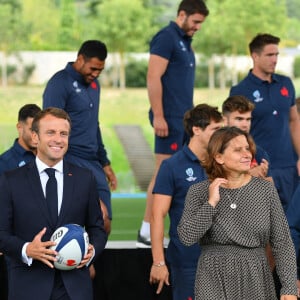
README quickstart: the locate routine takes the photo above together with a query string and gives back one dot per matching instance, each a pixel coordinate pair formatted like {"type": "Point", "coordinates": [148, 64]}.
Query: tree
{"type": "Point", "coordinates": [125, 26]}
{"type": "Point", "coordinates": [69, 35]}
{"type": "Point", "coordinates": [44, 19]}
{"type": "Point", "coordinates": [232, 24]}
{"type": "Point", "coordinates": [12, 31]}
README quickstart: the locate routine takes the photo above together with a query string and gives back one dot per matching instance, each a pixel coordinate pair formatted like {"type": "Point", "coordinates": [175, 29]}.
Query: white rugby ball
{"type": "Point", "coordinates": [71, 244]}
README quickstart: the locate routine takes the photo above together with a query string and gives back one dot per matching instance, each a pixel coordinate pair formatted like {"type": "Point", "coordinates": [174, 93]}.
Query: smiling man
{"type": "Point", "coordinates": [170, 83]}
{"type": "Point", "coordinates": [76, 90]}
{"type": "Point", "coordinates": [26, 224]}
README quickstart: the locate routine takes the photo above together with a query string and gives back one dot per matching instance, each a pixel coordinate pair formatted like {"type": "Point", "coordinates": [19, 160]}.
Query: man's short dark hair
{"type": "Point", "coordinates": [200, 116]}
{"type": "Point", "coordinates": [52, 111]}
{"type": "Point", "coordinates": [193, 7]}
{"type": "Point", "coordinates": [237, 103]}
{"type": "Point", "coordinates": [261, 40]}
{"type": "Point", "coordinates": [28, 111]}
{"type": "Point", "coordinates": [93, 48]}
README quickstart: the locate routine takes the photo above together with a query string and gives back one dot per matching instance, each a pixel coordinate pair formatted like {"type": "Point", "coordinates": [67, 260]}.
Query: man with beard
{"type": "Point", "coordinates": [76, 89]}
{"type": "Point", "coordinates": [170, 83]}
{"type": "Point", "coordinates": [23, 149]}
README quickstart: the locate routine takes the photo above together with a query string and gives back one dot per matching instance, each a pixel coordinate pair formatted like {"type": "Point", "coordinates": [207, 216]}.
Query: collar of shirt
{"type": "Point", "coordinates": [181, 32]}
{"type": "Point", "coordinates": [41, 166]}
{"type": "Point", "coordinates": [76, 75]}
{"type": "Point", "coordinates": [256, 79]}
{"type": "Point", "coordinates": [188, 152]}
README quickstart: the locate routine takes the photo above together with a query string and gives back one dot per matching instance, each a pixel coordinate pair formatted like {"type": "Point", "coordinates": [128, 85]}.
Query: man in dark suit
{"type": "Point", "coordinates": [25, 223]}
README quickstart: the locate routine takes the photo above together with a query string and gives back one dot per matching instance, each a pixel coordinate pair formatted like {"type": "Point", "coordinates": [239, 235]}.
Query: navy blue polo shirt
{"type": "Point", "coordinates": [174, 45]}
{"type": "Point", "coordinates": [174, 178]}
{"type": "Point", "coordinates": [260, 154]}
{"type": "Point", "coordinates": [68, 90]}
{"type": "Point", "coordinates": [15, 157]}
{"type": "Point", "coordinates": [270, 117]}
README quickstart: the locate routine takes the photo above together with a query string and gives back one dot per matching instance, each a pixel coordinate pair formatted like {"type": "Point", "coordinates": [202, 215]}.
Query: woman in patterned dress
{"type": "Point", "coordinates": [233, 216]}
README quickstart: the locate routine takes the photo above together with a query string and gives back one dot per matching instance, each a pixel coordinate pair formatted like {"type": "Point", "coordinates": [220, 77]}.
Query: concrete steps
{"type": "Point", "coordinates": [138, 152]}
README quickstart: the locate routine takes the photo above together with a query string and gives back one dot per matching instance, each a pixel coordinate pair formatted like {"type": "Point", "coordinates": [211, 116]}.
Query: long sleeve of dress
{"type": "Point", "coordinates": [197, 215]}
{"type": "Point", "coordinates": [256, 219]}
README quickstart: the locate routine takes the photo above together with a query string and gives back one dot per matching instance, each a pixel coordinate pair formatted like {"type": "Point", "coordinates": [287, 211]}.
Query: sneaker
{"type": "Point", "coordinates": [142, 241]}
{"type": "Point", "coordinates": [166, 242]}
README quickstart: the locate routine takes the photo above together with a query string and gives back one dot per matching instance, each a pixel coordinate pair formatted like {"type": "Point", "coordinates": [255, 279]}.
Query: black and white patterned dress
{"type": "Point", "coordinates": [233, 237]}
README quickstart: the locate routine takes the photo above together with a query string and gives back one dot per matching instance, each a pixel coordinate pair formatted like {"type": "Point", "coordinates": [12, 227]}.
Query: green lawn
{"type": "Point", "coordinates": [127, 217]}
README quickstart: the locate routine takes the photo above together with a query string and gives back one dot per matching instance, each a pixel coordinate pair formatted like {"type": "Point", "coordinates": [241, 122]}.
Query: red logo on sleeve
{"type": "Point", "coordinates": [174, 146]}
{"type": "Point", "coordinates": [93, 85]}
{"type": "Point", "coordinates": [284, 92]}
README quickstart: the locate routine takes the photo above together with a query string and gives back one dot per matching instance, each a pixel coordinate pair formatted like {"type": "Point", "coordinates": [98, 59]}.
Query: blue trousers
{"type": "Point", "coordinates": [183, 282]}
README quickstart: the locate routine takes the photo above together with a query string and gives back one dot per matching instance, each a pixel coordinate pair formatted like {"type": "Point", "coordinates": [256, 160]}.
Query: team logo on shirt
{"type": "Point", "coordinates": [182, 46]}
{"type": "Point", "coordinates": [190, 173]}
{"type": "Point", "coordinates": [22, 163]}
{"type": "Point", "coordinates": [93, 85]}
{"type": "Point", "coordinates": [76, 87]}
{"type": "Point", "coordinates": [284, 92]}
{"type": "Point", "coordinates": [174, 146]}
{"type": "Point", "coordinates": [257, 96]}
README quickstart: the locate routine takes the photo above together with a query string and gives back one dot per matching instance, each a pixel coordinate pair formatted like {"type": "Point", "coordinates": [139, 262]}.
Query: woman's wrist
{"type": "Point", "coordinates": [159, 263]}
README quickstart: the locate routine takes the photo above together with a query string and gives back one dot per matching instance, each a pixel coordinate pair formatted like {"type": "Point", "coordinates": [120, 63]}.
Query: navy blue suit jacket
{"type": "Point", "coordinates": [23, 213]}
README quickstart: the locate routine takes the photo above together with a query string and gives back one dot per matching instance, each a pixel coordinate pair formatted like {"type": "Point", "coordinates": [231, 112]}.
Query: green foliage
{"type": "Point", "coordinates": [68, 35]}
{"type": "Point", "coordinates": [136, 73]}
{"type": "Point", "coordinates": [44, 24]}
{"type": "Point", "coordinates": [232, 24]}
{"type": "Point", "coordinates": [297, 66]}
{"type": "Point", "coordinates": [293, 33]}
{"type": "Point", "coordinates": [123, 25]}
{"type": "Point", "coordinates": [201, 75]}
{"type": "Point", "coordinates": [293, 9]}
{"type": "Point", "coordinates": [13, 31]}
{"type": "Point", "coordinates": [128, 25]}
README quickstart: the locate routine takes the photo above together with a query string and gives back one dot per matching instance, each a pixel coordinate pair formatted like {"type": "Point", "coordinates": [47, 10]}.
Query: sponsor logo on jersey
{"type": "Point", "coordinates": [190, 173]}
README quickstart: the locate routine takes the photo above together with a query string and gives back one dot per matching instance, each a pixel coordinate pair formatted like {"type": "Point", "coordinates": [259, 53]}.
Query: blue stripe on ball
{"type": "Point", "coordinates": [74, 232]}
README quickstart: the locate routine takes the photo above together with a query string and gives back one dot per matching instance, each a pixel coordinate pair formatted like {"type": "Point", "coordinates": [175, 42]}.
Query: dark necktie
{"type": "Point", "coordinates": [51, 194]}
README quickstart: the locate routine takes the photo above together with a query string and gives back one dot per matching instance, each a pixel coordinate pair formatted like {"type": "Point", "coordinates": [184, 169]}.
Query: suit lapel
{"type": "Point", "coordinates": [36, 188]}
{"type": "Point", "coordinates": [68, 187]}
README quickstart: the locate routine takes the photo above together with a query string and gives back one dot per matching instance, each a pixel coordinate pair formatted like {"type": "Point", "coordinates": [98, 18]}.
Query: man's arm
{"type": "Point", "coordinates": [55, 94]}
{"type": "Point", "coordinates": [295, 129]}
{"type": "Point", "coordinates": [159, 271]}
{"type": "Point", "coordinates": [156, 68]}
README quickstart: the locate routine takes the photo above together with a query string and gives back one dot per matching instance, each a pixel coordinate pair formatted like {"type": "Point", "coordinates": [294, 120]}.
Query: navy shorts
{"type": "Point", "coordinates": [102, 185]}
{"type": "Point", "coordinates": [174, 141]}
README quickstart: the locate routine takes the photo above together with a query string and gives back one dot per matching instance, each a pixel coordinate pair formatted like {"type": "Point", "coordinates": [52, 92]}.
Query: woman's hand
{"type": "Point", "coordinates": [214, 191]}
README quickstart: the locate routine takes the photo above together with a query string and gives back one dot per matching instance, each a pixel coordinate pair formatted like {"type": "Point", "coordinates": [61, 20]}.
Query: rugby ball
{"type": "Point", "coordinates": [71, 244]}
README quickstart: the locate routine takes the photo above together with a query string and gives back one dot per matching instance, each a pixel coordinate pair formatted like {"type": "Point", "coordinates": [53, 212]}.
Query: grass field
{"type": "Point", "coordinates": [127, 218]}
